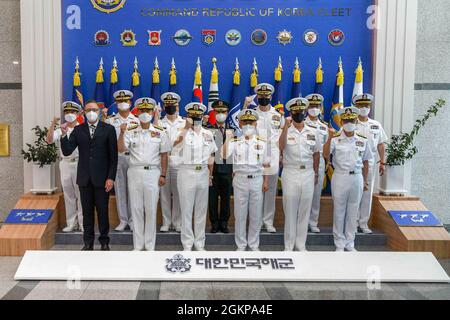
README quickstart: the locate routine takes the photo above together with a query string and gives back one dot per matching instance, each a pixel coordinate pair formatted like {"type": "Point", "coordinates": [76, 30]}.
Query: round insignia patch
{"type": "Point", "coordinates": [284, 37]}
{"type": "Point", "coordinates": [101, 38]}
{"type": "Point", "coordinates": [336, 37]}
{"type": "Point", "coordinates": [108, 6]}
{"type": "Point", "coordinates": [233, 37]}
{"type": "Point", "coordinates": [310, 37]}
{"type": "Point", "coordinates": [182, 37]}
{"type": "Point", "coordinates": [128, 38]}
{"type": "Point", "coordinates": [259, 37]}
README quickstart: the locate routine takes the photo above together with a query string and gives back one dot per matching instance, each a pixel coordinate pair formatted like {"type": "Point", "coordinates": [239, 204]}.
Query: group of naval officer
{"type": "Point", "coordinates": [193, 168]}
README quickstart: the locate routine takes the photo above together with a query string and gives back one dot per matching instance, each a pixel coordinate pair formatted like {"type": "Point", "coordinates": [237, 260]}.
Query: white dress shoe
{"type": "Point", "coordinates": [351, 250]}
{"type": "Point", "coordinates": [240, 249]}
{"type": "Point", "coordinates": [302, 250]}
{"type": "Point", "coordinates": [164, 229]}
{"type": "Point", "coordinates": [81, 228]}
{"type": "Point", "coordinates": [178, 229]}
{"type": "Point", "coordinates": [366, 230]}
{"type": "Point", "coordinates": [69, 229]}
{"type": "Point", "coordinates": [339, 250]}
{"type": "Point", "coordinates": [200, 249]}
{"type": "Point", "coordinates": [314, 229]}
{"type": "Point", "coordinates": [254, 249]}
{"type": "Point", "coordinates": [121, 227]}
{"type": "Point", "coordinates": [187, 249]}
{"type": "Point", "coordinates": [271, 229]}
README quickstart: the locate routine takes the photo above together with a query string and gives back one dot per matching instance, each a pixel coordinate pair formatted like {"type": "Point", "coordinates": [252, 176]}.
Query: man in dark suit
{"type": "Point", "coordinates": [222, 174]}
{"type": "Point", "coordinates": [97, 167]}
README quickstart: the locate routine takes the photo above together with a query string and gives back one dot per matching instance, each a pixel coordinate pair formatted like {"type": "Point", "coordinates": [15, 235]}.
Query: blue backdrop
{"type": "Point", "coordinates": [323, 16]}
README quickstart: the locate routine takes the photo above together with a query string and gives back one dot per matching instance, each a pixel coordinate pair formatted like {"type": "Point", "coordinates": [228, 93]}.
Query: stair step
{"type": "Point", "coordinates": [173, 238]}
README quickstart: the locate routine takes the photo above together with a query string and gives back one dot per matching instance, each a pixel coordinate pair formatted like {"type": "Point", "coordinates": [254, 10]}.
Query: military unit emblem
{"type": "Point", "coordinates": [182, 37]}
{"type": "Point", "coordinates": [336, 37]}
{"type": "Point", "coordinates": [259, 37]}
{"type": "Point", "coordinates": [284, 37]}
{"type": "Point", "coordinates": [233, 37]}
{"type": "Point", "coordinates": [178, 263]}
{"type": "Point", "coordinates": [310, 37]}
{"type": "Point", "coordinates": [108, 6]}
{"type": "Point", "coordinates": [128, 38]}
{"type": "Point", "coordinates": [209, 36]}
{"type": "Point", "coordinates": [154, 37]}
{"type": "Point", "coordinates": [101, 38]}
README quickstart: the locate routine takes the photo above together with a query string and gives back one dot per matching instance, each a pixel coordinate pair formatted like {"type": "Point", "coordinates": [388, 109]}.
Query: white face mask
{"type": "Point", "coordinates": [123, 106]}
{"type": "Point", "coordinates": [70, 117]}
{"type": "Point", "coordinates": [248, 130]}
{"type": "Point", "coordinates": [364, 111]}
{"type": "Point", "coordinates": [92, 116]}
{"type": "Point", "coordinates": [221, 117]}
{"type": "Point", "coordinates": [314, 112]}
{"type": "Point", "coordinates": [145, 117]}
{"type": "Point", "coordinates": [349, 127]}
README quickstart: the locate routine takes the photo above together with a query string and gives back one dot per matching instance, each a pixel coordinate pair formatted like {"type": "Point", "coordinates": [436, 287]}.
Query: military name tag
{"type": "Point", "coordinates": [359, 144]}
{"type": "Point", "coordinates": [311, 137]}
{"type": "Point", "coordinates": [4, 140]}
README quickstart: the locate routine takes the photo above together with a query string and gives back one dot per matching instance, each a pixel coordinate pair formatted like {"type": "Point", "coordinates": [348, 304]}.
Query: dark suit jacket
{"type": "Point", "coordinates": [97, 156]}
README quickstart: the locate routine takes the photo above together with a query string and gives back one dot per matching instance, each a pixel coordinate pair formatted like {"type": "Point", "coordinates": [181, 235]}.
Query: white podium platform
{"type": "Point", "coordinates": [231, 266]}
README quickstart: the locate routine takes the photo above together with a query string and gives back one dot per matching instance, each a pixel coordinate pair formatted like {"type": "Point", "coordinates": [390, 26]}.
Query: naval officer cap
{"type": "Point", "coordinates": [348, 113]}
{"type": "Point", "coordinates": [195, 108]}
{"type": "Point", "coordinates": [297, 104]}
{"type": "Point", "coordinates": [123, 95]}
{"type": "Point", "coordinates": [363, 99]}
{"type": "Point", "coordinates": [265, 89]}
{"type": "Point", "coordinates": [315, 99]}
{"type": "Point", "coordinates": [71, 106]}
{"type": "Point", "coordinates": [248, 115]}
{"type": "Point", "coordinates": [145, 104]}
{"type": "Point", "coordinates": [170, 98]}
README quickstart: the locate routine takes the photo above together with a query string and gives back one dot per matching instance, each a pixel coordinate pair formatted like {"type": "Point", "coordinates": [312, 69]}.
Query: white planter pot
{"type": "Point", "coordinates": [393, 181]}
{"type": "Point", "coordinates": [43, 179]}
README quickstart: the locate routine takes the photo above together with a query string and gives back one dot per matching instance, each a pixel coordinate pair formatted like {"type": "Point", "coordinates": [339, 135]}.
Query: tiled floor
{"type": "Point", "coordinates": [53, 290]}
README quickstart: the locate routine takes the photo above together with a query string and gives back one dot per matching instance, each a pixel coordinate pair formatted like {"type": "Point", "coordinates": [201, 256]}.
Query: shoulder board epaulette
{"type": "Point", "coordinates": [362, 136]}
{"type": "Point", "coordinates": [322, 122]}
{"type": "Point", "coordinates": [311, 126]}
{"type": "Point", "coordinates": [260, 138]}
{"type": "Point", "coordinates": [158, 127]}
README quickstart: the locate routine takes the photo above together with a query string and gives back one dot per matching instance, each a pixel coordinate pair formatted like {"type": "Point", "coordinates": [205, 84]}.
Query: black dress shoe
{"type": "Point", "coordinates": [214, 229]}
{"type": "Point", "coordinates": [224, 229]}
{"type": "Point", "coordinates": [105, 247]}
{"type": "Point", "coordinates": [87, 248]}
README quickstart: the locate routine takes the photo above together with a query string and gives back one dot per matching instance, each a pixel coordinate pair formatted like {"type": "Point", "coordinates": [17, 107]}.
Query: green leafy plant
{"type": "Point", "coordinates": [41, 152]}
{"type": "Point", "coordinates": [402, 148]}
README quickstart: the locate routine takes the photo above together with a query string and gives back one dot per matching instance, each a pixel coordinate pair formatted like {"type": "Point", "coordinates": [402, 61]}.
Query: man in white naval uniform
{"type": "Point", "coordinates": [170, 201]}
{"type": "Point", "coordinates": [123, 99]}
{"type": "Point", "coordinates": [314, 110]}
{"type": "Point", "coordinates": [269, 127]}
{"type": "Point", "coordinates": [148, 146]}
{"type": "Point", "coordinates": [376, 136]}
{"type": "Point", "coordinates": [249, 155]}
{"type": "Point", "coordinates": [197, 148]}
{"type": "Point", "coordinates": [301, 145]}
{"type": "Point", "coordinates": [68, 167]}
{"type": "Point", "coordinates": [351, 154]}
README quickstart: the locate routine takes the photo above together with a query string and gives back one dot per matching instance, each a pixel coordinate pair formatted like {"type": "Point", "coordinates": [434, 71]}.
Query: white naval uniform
{"type": "Point", "coordinates": [68, 167]}
{"type": "Point", "coordinates": [121, 183]}
{"type": "Point", "coordinates": [193, 185]}
{"type": "Point", "coordinates": [376, 135]}
{"type": "Point", "coordinates": [347, 186]}
{"type": "Point", "coordinates": [269, 127]}
{"type": "Point", "coordinates": [315, 208]}
{"type": "Point", "coordinates": [170, 202]}
{"type": "Point", "coordinates": [298, 183]}
{"type": "Point", "coordinates": [145, 147]}
{"type": "Point", "coordinates": [249, 158]}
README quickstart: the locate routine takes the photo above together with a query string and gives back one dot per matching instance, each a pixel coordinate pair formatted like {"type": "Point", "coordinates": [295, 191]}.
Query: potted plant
{"type": "Point", "coordinates": [402, 149]}
{"type": "Point", "coordinates": [43, 156]}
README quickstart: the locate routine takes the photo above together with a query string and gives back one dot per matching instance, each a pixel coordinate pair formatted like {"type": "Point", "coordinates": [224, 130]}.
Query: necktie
{"type": "Point", "coordinates": [92, 127]}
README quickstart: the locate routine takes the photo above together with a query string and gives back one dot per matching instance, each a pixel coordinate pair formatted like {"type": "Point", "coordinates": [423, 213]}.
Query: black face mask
{"type": "Point", "coordinates": [170, 110]}
{"type": "Point", "coordinates": [264, 102]}
{"type": "Point", "coordinates": [298, 117]}
{"type": "Point", "coordinates": [196, 118]}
